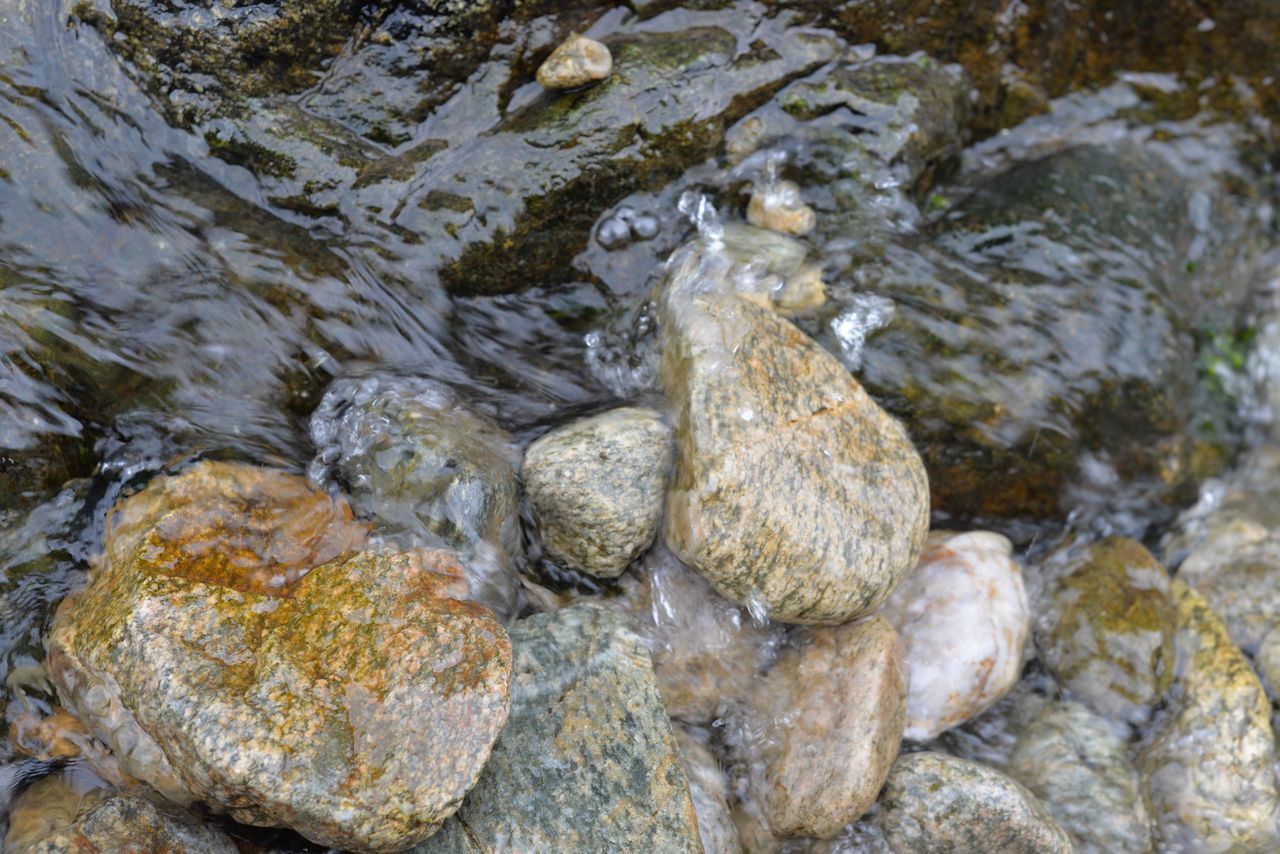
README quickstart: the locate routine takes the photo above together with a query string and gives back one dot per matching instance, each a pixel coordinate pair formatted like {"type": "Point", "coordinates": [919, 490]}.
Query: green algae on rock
{"type": "Point", "coordinates": [235, 646]}
{"type": "Point", "coordinates": [596, 486]}
{"type": "Point", "coordinates": [1078, 764]}
{"type": "Point", "coordinates": [937, 803]}
{"type": "Point", "coordinates": [588, 761]}
{"type": "Point", "coordinates": [53, 817]}
{"type": "Point", "coordinates": [1106, 625]}
{"type": "Point", "coordinates": [792, 488]}
{"type": "Point", "coordinates": [1209, 768]}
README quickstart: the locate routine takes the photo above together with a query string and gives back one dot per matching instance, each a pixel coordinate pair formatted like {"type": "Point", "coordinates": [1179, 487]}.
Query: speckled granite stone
{"type": "Point", "coordinates": [596, 488]}
{"type": "Point", "coordinates": [937, 803]}
{"type": "Point", "coordinates": [51, 817]}
{"type": "Point", "coordinates": [1209, 770]}
{"type": "Point", "coordinates": [792, 487]}
{"type": "Point", "coordinates": [355, 703]}
{"type": "Point", "coordinates": [1105, 627]}
{"type": "Point", "coordinates": [588, 761]}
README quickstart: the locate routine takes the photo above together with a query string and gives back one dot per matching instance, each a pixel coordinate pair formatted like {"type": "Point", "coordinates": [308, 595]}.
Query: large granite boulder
{"type": "Point", "coordinates": [764, 416]}
{"type": "Point", "coordinates": [588, 761]}
{"type": "Point", "coordinates": [1105, 626]}
{"type": "Point", "coordinates": [937, 803]}
{"type": "Point", "coordinates": [1209, 768]}
{"type": "Point", "coordinates": [596, 487]}
{"type": "Point", "coordinates": [239, 644]}
{"type": "Point", "coordinates": [427, 470]}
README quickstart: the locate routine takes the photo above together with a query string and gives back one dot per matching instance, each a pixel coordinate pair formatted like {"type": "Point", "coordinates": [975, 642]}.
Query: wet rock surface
{"type": "Point", "coordinates": [1106, 625]}
{"type": "Point", "coordinates": [235, 647]}
{"type": "Point", "coordinates": [1078, 764]}
{"type": "Point", "coordinates": [933, 802]}
{"type": "Point", "coordinates": [963, 617]}
{"type": "Point", "coordinates": [837, 700]}
{"type": "Point", "coordinates": [709, 788]}
{"type": "Point", "coordinates": [53, 816]}
{"type": "Point", "coordinates": [588, 760]}
{"type": "Point", "coordinates": [427, 470]}
{"type": "Point", "coordinates": [596, 487]}
{"type": "Point", "coordinates": [762, 416]}
{"type": "Point", "coordinates": [1209, 769]}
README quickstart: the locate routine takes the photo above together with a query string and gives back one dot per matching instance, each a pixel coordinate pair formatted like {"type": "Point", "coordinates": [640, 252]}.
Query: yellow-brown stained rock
{"type": "Point", "coordinates": [792, 487]}
{"type": "Point", "coordinates": [355, 701]}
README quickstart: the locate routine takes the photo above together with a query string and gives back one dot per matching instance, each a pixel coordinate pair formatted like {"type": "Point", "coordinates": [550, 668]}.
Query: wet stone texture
{"type": "Point", "coordinates": [1105, 627]}
{"type": "Point", "coordinates": [235, 646]}
{"type": "Point", "coordinates": [588, 761]}
{"type": "Point", "coordinates": [52, 817]}
{"type": "Point", "coordinates": [1078, 764]}
{"type": "Point", "coordinates": [596, 486]}
{"type": "Point", "coordinates": [936, 803]}
{"type": "Point", "coordinates": [427, 470]}
{"type": "Point", "coordinates": [963, 617]}
{"type": "Point", "coordinates": [837, 702]}
{"type": "Point", "coordinates": [792, 488]}
{"type": "Point", "coordinates": [709, 787]}
{"type": "Point", "coordinates": [1209, 769]}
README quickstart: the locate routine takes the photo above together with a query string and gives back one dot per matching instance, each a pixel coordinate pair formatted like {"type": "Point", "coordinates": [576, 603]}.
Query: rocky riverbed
{"type": "Point", "coordinates": [744, 425]}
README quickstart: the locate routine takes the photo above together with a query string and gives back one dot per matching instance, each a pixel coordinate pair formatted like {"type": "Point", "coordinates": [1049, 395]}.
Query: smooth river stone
{"type": "Point", "coordinates": [596, 487]}
{"type": "Point", "coordinates": [937, 803]}
{"type": "Point", "coordinates": [1077, 763]}
{"type": "Point", "coordinates": [963, 617]}
{"type": "Point", "coordinates": [354, 701]}
{"type": "Point", "coordinates": [588, 761]}
{"type": "Point", "coordinates": [1105, 627]}
{"type": "Point", "coordinates": [793, 489]}
{"type": "Point", "coordinates": [836, 700]}
{"type": "Point", "coordinates": [1209, 770]}
{"type": "Point", "coordinates": [709, 787]}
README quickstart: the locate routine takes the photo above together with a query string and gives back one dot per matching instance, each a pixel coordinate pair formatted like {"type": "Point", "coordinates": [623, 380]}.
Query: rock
{"type": "Point", "coordinates": [963, 617]}
{"type": "Point", "coordinates": [1209, 767]}
{"type": "Point", "coordinates": [936, 803]}
{"type": "Point", "coordinates": [1045, 413]}
{"type": "Point", "coordinates": [588, 761]}
{"type": "Point", "coordinates": [707, 651]}
{"type": "Point", "coordinates": [763, 416]}
{"type": "Point", "coordinates": [1078, 764]}
{"type": "Point", "coordinates": [428, 471]}
{"type": "Point", "coordinates": [1105, 628]}
{"type": "Point", "coordinates": [780, 207]}
{"type": "Point", "coordinates": [709, 788]}
{"type": "Point", "coordinates": [596, 487]}
{"type": "Point", "coordinates": [235, 645]}
{"type": "Point", "coordinates": [578, 61]}
{"type": "Point", "coordinates": [52, 816]}
{"type": "Point", "coordinates": [837, 700]}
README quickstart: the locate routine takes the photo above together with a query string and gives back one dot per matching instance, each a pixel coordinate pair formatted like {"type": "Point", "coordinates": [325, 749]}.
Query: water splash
{"type": "Point", "coordinates": [867, 313]}
{"type": "Point", "coordinates": [702, 213]}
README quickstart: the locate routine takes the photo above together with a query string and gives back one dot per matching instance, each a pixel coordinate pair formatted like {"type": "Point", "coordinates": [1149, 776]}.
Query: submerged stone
{"type": "Point", "coordinates": [764, 417]}
{"type": "Point", "coordinates": [963, 617]}
{"type": "Point", "coordinates": [55, 816]}
{"type": "Point", "coordinates": [236, 646]}
{"type": "Point", "coordinates": [936, 803]}
{"type": "Point", "coordinates": [709, 787]}
{"type": "Point", "coordinates": [837, 701]}
{"type": "Point", "coordinates": [1078, 764]}
{"type": "Point", "coordinates": [1105, 628]}
{"type": "Point", "coordinates": [779, 206]}
{"type": "Point", "coordinates": [1209, 768]}
{"type": "Point", "coordinates": [578, 61]}
{"type": "Point", "coordinates": [596, 487]}
{"type": "Point", "coordinates": [588, 761]}
{"type": "Point", "coordinates": [428, 471]}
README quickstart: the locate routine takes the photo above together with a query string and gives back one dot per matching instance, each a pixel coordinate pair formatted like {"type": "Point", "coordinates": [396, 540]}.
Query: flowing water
{"type": "Point", "coordinates": [162, 300]}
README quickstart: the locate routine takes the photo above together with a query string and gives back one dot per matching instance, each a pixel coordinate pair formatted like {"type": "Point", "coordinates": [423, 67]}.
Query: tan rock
{"type": "Point", "coordinates": [779, 206]}
{"type": "Point", "coordinates": [711, 794]}
{"type": "Point", "coordinates": [576, 62]}
{"type": "Point", "coordinates": [963, 618]}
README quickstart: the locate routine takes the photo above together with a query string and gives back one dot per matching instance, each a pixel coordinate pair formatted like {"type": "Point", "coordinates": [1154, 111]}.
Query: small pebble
{"type": "Point", "coordinates": [780, 207]}
{"type": "Point", "coordinates": [578, 61]}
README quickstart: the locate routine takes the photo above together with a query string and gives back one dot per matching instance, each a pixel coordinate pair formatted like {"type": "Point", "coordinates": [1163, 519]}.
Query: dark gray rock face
{"type": "Point", "coordinates": [427, 470]}
{"type": "Point", "coordinates": [588, 761]}
{"type": "Point", "coordinates": [596, 486]}
{"type": "Point", "coordinates": [936, 803]}
{"type": "Point", "coordinates": [764, 417]}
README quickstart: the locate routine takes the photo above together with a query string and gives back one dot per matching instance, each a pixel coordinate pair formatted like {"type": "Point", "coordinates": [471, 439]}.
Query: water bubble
{"type": "Point", "coordinates": [702, 213]}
